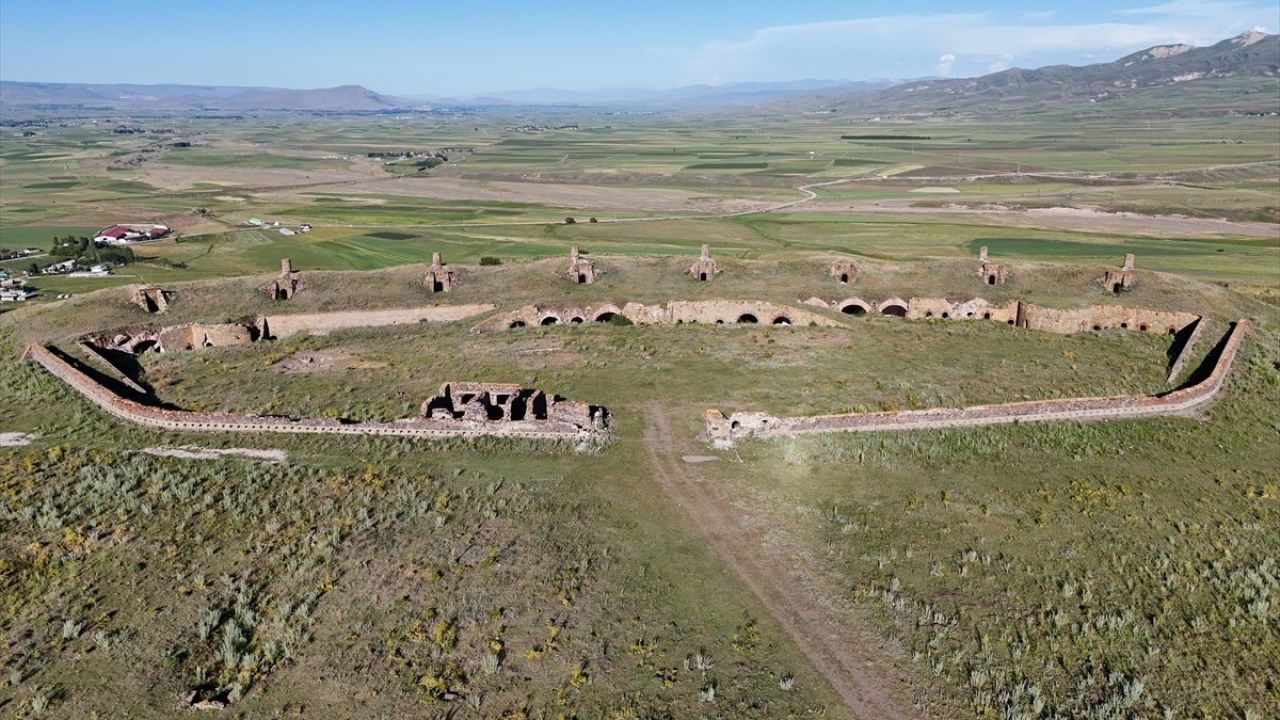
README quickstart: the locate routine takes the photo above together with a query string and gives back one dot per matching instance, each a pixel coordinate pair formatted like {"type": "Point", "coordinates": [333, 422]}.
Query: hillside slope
{"type": "Point", "coordinates": [1241, 74]}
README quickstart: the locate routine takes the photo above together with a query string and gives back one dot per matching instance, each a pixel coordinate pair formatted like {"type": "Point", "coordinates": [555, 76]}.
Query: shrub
{"type": "Point", "coordinates": [489, 260]}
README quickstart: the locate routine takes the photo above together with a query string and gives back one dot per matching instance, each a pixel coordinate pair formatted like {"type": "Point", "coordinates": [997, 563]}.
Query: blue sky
{"type": "Point", "coordinates": [465, 48]}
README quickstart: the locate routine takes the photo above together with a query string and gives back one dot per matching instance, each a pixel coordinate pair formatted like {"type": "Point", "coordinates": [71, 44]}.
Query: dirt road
{"type": "Point", "coordinates": [845, 655]}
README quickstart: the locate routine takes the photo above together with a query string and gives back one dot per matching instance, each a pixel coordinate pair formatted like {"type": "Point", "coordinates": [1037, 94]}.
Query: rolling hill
{"type": "Point", "coordinates": [1240, 74]}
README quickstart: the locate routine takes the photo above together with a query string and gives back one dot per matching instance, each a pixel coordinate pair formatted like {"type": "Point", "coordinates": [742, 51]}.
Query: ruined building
{"type": "Point", "coordinates": [705, 268]}
{"type": "Point", "coordinates": [581, 271]}
{"type": "Point", "coordinates": [844, 271]}
{"type": "Point", "coordinates": [506, 402]}
{"type": "Point", "coordinates": [286, 284]}
{"type": "Point", "coordinates": [1122, 279]}
{"type": "Point", "coordinates": [992, 273]}
{"type": "Point", "coordinates": [151, 299]}
{"type": "Point", "coordinates": [439, 277]}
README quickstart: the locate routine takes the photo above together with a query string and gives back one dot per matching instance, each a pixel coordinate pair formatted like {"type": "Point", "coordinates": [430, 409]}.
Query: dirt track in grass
{"type": "Point", "coordinates": [844, 653]}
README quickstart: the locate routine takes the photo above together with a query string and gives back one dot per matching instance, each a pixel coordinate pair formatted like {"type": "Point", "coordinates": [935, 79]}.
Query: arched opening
{"type": "Point", "coordinates": [702, 277]}
{"type": "Point", "coordinates": [986, 316]}
{"type": "Point", "coordinates": [991, 279]}
{"type": "Point", "coordinates": [844, 278]}
{"type": "Point", "coordinates": [946, 315]}
{"type": "Point", "coordinates": [605, 317]}
{"type": "Point", "coordinates": [719, 322]}
{"type": "Point", "coordinates": [549, 320]}
{"type": "Point", "coordinates": [575, 321]}
{"type": "Point", "coordinates": [969, 315]}
{"type": "Point", "coordinates": [1124, 326]}
{"type": "Point", "coordinates": [1009, 322]}
{"type": "Point", "coordinates": [853, 309]}
{"type": "Point", "coordinates": [1144, 327]}
{"type": "Point", "coordinates": [747, 318]}
{"type": "Point", "coordinates": [437, 286]}
{"type": "Point", "coordinates": [1097, 328]}
{"type": "Point", "coordinates": [735, 425]}
{"type": "Point", "coordinates": [928, 314]}
{"type": "Point", "coordinates": [782, 320]}
{"type": "Point", "coordinates": [1172, 330]}
{"type": "Point", "coordinates": [894, 310]}
{"type": "Point", "coordinates": [581, 278]}
{"type": "Point", "coordinates": [516, 324]}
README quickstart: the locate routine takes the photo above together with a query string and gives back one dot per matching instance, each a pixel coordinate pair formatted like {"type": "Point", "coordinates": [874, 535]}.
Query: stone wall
{"type": "Point", "coordinates": [724, 430]}
{"type": "Point", "coordinates": [676, 312]}
{"type": "Point", "coordinates": [1022, 314]}
{"type": "Point", "coordinates": [182, 420]}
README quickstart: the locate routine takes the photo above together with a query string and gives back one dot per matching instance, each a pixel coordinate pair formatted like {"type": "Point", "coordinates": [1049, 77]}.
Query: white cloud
{"type": "Point", "coordinates": [945, 64]}
{"type": "Point", "coordinates": [1189, 8]}
{"type": "Point", "coordinates": [950, 43]}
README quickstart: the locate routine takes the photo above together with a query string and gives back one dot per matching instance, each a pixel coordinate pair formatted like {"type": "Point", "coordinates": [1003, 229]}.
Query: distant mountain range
{"type": "Point", "coordinates": [1237, 74]}
{"type": "Point", "coordinates": [1240, 74]}
{"type": "Point", "coordinates": [689, 96]}
{"type": "Point", "coordinates": [138, 98]}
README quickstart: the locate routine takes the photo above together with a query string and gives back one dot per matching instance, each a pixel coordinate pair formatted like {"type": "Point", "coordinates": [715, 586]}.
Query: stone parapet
{"type": "Point", "coordinates": [725, 430]}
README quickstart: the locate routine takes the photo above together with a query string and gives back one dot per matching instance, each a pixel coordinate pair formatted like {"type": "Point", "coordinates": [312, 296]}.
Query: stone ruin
{"type": "Point", "coordinates": [439, 277]}
{"type": "Point", "coordinates": [1122, 279]}
{"type": "Point", "coordinates": [705, 268]}
{"type": "Point", "coordinates": [508, 402]}
{"type": "Point", "coordinates": [151, 299]}
{"type": "Point", "coordinates": [844, 271]}
{"type": "Point", "coordinates": [581, 271]}
{"type": "Point", "coordinates": [286, 284]}
{"type": "Point", "coordinates": [992, 273]}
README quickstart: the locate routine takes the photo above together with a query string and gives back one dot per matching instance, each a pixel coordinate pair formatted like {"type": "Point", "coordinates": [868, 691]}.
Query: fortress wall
{"type": "Point", "coordinates": [1185, 353]}
{"type": "Point", "coordinates": [1045, 319]}
{"type": "Point", "coordinates": [1105, 317]}
{"type": "Point", "coordinates": [724, 431]}
{"type": "Point", "coordinates": [96, 358]}
{"type": "Point", "coordinates": [181, 420]}
{"type": "Point", "coordinates": [674, 312]}
{"type": "Point", "coordinates": [322, 322]}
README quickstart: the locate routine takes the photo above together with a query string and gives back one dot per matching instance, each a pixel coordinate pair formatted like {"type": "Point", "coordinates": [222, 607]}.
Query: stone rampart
{"type": "Point", "coordinates": [725, 431]}
{"type": "Point", "coordinates": [1023, 314]}
{"type": "Point", "coordinates": [676, 312]}
{"type": "Point", "coordinates": [182, 420]}
{"type": "Point", "coordinates": [1185, 352]}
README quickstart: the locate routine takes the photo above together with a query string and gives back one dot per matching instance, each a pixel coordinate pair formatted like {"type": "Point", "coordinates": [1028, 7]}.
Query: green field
{"type": "Point", "coordinates": [1118, 569]}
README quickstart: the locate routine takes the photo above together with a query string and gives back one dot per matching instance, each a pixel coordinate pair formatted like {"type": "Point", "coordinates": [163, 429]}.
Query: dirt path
{"type": "Point", "coordinates": [839, 651]}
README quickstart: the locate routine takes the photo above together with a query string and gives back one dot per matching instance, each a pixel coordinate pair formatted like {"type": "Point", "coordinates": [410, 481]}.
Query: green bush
{"type": "Point", "coordinates": [489, 260]}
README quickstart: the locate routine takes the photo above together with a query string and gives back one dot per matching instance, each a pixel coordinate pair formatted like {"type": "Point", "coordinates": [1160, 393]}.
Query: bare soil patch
{"type": "Point", "coordinates": [318, 362]}
{"type": "Point", "coordinates": [188, 452]}
{"type": "Point", "coordinates": [16, 439]}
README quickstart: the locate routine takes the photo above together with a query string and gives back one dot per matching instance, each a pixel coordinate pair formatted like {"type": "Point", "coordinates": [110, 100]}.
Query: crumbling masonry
{"type": "Point", "coordinates": [439, 277]}
{"type": "Point", "coordinates": [286, 284]}
{"type": "Point", "coordinates": [1122, 279]}
{"type": "Point", "coordinates": [705, 268]}
{"type": "Point", "coordinates": [992, 273]}
{"type": "Point", "coordinates": [581, 271]}
{"type": "Point", "coordinates": [844, 271]}
{"type": "Point", "coordinates": [151, 299]}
